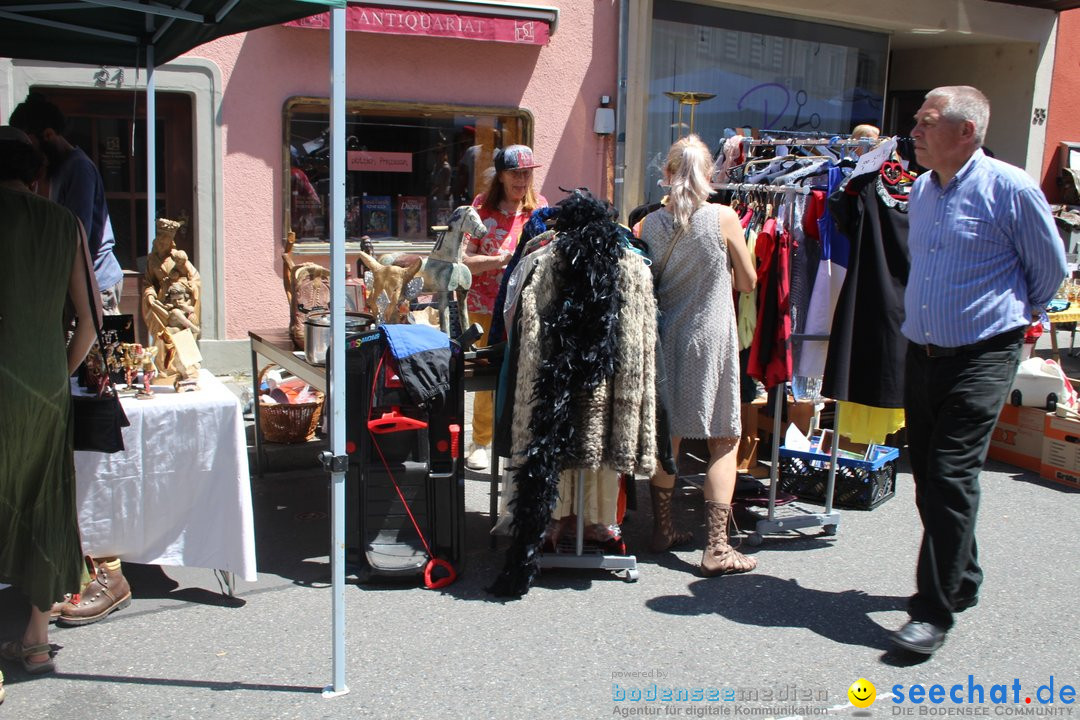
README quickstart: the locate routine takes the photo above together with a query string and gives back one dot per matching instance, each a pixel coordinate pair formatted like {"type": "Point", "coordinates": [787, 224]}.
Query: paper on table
{"type": "Point", "coordinates": [795, 440]}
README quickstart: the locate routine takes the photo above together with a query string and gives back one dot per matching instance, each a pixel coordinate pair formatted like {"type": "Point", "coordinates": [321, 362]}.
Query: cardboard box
{"type": "Point", "coordinates": [1018, 437]}
{"type": "Point", "coordinates": [1061, 451]}
{"type": "Point", "coordinates": [799, 413]}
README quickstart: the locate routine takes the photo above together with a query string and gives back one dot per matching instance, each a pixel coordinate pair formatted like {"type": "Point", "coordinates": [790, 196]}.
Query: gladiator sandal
{"type": "Point", "coordinates": [719, 557]}
{"type": "Point", "coordinates": [664, 534]}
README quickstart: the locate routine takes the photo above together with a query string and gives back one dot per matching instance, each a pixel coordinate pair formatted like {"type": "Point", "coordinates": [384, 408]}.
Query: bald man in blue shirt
{"type": "Point", "coordinates": [985, 255]}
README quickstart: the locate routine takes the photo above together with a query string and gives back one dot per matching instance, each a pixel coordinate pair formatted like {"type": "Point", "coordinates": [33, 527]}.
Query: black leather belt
{"type": "Point", "coordinates": [999, 342]}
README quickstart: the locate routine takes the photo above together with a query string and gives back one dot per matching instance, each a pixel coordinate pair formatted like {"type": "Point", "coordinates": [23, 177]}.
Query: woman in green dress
{"type": "Point", "coordinates": [47, 263]}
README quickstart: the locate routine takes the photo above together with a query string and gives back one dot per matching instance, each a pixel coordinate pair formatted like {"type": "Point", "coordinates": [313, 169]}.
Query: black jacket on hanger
{"type": "Point", "coordinates": [865, 362]}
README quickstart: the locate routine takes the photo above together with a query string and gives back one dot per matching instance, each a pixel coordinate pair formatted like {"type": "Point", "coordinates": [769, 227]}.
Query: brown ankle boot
{"type": "Point", "coordinates": [107, 592]}
{"type": "Point", "coordinates": [719, 557]}
{"type": "Point", "coordinates": [664, 534]}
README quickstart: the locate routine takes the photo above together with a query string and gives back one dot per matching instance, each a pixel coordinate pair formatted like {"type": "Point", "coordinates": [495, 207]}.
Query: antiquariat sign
{"type": "Point", "coordinates": [395, 21]}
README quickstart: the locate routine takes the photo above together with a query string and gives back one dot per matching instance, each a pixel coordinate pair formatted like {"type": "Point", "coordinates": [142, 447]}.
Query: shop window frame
{"type": "Point", "coordinates": [515, 125]}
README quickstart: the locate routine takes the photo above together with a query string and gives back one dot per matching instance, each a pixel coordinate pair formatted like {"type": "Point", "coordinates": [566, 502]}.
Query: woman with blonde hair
{"type": "Point", "coordinates": [699, 257]}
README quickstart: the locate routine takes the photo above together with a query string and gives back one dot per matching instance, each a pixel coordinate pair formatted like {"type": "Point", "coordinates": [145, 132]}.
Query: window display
{"type": "Point", "coordinates": [742, 70]}
{"type": "Point", "coordinates": [408, 165]}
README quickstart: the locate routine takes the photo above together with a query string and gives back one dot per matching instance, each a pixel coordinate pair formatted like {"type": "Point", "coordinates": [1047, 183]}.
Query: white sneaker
{"type": "Point", "coordinates": [478, 458]}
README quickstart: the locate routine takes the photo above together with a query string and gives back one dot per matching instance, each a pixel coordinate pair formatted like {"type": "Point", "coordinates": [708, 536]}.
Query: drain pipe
{"type": "Point", "coordinates": [620, 113]}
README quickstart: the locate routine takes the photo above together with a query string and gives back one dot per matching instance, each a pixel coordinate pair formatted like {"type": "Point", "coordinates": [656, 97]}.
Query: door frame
{"type": "Point", "coordinates": [202, 80]}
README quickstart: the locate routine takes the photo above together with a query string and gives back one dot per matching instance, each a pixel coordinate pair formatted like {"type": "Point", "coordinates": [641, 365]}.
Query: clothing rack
{"type": "Point", "coordinates": [762, 187]}
{"type": "Point", "coordinates": [624, 566]}
{"type": "Point", "coordinates": [814, 140]}
{"type": "Point", "coordinates": [792, 516]}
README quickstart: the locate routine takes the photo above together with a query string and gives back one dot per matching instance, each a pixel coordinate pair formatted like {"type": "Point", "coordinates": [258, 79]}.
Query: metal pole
{"type": "Point", "coordinates": [774, 458]}
{"type": "Point", "coordinates": [337, 463]}
{"type": "Point", "coordinates": [834, 459]}
{"type": "Point", "coordinates": [151, 144]}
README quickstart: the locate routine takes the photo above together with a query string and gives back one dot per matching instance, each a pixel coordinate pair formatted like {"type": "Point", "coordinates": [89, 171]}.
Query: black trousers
{"type": "Point", "coordinates": [951, 405]}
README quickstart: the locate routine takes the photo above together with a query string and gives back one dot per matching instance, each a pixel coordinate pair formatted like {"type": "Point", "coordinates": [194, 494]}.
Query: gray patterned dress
{"type": "Point", "coordinates": [697, 325]}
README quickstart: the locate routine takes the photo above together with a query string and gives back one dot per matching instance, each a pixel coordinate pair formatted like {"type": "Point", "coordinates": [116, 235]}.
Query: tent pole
{"type": "Point", "coordinates": [151, 146]}
{"type": "Point", "coordinates": [338, 461]}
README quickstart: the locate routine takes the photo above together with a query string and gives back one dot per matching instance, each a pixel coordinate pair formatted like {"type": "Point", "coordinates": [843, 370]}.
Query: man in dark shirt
{"type": "Point", "coordinates": [75, 183]}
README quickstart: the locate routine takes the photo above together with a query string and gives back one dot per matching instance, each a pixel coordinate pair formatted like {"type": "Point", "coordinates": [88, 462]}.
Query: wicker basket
{"type": "Point", "coordinates": [289, 422]}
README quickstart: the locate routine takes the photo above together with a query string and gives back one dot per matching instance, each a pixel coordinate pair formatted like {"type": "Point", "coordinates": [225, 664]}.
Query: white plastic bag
{"type": "Point", "coordinates": [1038, 378]}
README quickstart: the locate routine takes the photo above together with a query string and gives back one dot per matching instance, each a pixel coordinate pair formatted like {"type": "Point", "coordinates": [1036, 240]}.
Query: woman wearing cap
{"type": "Point", "coordinates": [504, 207]}
{"type": "Point", "coordinates": [40, 552]}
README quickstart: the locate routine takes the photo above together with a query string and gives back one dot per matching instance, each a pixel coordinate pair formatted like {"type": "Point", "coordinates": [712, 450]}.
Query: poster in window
{"type": "Point", "coordinates": [412, 217]}
{"type": "Point", "coordinates": [353, 214]}
{"type": "Point", "coordinates": [376, 211]}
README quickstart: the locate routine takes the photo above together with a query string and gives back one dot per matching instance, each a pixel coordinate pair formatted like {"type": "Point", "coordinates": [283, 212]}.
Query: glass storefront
{"type": "Point", "coordinates": [762, 73]}
{"type": "Point", "coordinates": [408, 165]}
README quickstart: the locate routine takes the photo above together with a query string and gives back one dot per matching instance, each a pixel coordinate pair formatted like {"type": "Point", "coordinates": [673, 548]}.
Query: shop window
{"type": "Point", "coordinates": [408, 165]}
{"type": "Point", "coordinates": [766, 73]}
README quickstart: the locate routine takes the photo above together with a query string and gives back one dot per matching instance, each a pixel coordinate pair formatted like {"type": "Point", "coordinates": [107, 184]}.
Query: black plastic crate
{"type": "Point", "coordinates": [860, 484]}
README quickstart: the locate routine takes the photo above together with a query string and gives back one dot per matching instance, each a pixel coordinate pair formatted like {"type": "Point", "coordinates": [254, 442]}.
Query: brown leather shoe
{"type": "Point", "coordinates": [107, 592]}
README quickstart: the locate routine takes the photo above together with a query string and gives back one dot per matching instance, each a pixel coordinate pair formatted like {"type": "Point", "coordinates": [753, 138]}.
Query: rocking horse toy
{"type": "Point", "coordinates": [443, 270]}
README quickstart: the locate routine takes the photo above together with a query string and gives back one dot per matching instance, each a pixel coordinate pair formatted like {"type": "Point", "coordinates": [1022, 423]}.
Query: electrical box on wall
{"type": "Point", "coordinates": [1069, 155]}
{"type": "Point", "coordinates": [604, 122]}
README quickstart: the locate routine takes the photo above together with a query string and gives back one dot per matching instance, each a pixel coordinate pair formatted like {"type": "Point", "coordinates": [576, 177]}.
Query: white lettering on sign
{"type": "Point", "coordinates": [364, 160]}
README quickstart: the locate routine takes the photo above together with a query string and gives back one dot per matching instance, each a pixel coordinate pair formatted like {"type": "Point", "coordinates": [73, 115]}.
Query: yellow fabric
{"type": "Point", "coordinates": [483, 406]}
{"type": "Point", "coordinates": [601, 491]}
{"type": "Point", "coordinates": [866, 424]}
{"type": "Point", "coordinates": [747, 308]}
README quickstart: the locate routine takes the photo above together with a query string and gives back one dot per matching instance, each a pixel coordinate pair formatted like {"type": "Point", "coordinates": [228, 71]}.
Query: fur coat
{"type": "Point", "coordinates": [614, 423]}
{"type": "Point", "coordinates": [585, 392]}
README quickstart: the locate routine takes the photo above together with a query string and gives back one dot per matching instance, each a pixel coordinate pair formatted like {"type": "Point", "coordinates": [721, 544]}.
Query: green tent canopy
{"type": "Point", "coordinates": [118, 32]}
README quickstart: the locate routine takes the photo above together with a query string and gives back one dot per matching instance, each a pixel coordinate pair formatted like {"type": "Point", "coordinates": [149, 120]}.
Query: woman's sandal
{"type": "Point", "coordinates": [14, 650]}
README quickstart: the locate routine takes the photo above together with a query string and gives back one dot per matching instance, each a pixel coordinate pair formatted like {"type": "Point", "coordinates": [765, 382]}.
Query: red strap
{"type": "Point", "coordinates": [434, 563]}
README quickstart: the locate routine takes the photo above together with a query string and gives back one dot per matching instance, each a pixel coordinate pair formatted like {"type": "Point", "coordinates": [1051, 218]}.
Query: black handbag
{"type": "Point", "coordinates": [98, 420]}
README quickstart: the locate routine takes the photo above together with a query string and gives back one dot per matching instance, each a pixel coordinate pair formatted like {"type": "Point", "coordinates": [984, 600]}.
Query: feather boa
{"type": "Point", "coordinates": [580, 352]}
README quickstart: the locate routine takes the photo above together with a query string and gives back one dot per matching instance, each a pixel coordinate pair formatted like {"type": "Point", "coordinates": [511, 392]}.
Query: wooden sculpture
{"type": "Point", "coordinates": [307, 288]}
{"type": "Point", "coordinates": [172, 306]}
{"type": "Point", "coordinates": [390, 288]}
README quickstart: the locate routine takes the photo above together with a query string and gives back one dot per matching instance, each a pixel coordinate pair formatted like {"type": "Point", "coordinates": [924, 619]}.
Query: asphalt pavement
{"type": "Point", "coordinates": [784, 641]}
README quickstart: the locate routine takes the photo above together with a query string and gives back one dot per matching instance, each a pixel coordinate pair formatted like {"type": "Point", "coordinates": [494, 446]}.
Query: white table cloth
{"type": "Point", "coordinates": [180, 493]}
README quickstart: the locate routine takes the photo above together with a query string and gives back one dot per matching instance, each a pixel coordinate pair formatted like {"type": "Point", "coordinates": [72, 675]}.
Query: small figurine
{"type": "Point", "coordinates": [129, 359]}
{"type": "Point", "coordinates": [149, 370]}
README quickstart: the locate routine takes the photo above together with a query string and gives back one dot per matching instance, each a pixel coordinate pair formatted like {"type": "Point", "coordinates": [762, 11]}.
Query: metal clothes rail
{"type": "Point", "coordinates": [761, 187]}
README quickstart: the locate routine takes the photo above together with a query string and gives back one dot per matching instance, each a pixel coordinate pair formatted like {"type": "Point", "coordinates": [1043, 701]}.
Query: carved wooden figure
{"type": "Point", "coordinates": [171, 305]}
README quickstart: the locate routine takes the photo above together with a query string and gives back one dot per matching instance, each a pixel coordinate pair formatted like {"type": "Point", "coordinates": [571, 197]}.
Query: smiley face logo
{"type": "Point", "coordinates": [862, 693]}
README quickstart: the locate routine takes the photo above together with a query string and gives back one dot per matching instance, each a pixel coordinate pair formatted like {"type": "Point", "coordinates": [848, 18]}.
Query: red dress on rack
{"type": "Point", "coordinates": [770, 353]}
